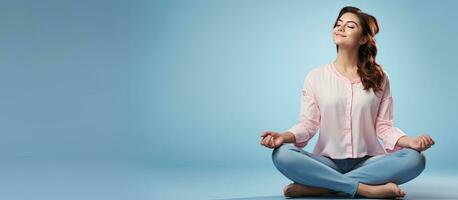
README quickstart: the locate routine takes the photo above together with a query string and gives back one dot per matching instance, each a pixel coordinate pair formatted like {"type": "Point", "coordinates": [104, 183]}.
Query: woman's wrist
{"type": "Point", "coordinates": [288, 137]}
{"type": "Point", "coordinates": [404, 141]}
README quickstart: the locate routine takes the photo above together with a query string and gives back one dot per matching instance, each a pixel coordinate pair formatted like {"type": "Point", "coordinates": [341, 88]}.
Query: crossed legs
{"type": "Point", "coordinates": [321, 175]}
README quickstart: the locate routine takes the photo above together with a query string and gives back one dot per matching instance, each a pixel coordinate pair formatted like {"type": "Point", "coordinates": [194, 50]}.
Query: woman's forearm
{"type": "Point", "coordinates": [288, 137]}
{"type": "Point", "coordinates": [404, 141]}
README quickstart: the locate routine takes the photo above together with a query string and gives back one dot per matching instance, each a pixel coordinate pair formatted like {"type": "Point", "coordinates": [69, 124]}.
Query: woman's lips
{"type": "Point", "coordinates": [340, 35]}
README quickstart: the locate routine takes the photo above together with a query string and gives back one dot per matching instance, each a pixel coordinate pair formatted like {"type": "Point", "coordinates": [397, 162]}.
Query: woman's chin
{"type": "Point", "coordinates": [344, 45]}
{"type": "Point", "coordinates": [339, 41]}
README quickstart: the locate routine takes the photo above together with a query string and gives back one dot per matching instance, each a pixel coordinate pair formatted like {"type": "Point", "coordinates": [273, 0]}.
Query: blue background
{"type": "Point", "coordinates": [194, 83]}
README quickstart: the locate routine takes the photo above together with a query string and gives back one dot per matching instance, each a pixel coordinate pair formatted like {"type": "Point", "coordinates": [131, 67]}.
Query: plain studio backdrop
{"type": "Point", "coordinates": [191, 85]}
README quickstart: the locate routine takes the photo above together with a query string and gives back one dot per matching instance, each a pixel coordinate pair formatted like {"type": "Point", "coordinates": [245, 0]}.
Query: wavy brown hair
{"type": "Point", "coordinates": [371, 73]}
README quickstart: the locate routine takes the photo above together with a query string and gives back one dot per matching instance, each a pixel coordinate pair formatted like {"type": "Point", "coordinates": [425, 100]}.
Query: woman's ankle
{"type": "Point", "coordinates": [364, 190]}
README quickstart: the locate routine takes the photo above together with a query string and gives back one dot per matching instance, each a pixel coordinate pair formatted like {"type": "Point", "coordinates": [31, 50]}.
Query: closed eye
{"type": "Point", "coordinates": [352, 27]}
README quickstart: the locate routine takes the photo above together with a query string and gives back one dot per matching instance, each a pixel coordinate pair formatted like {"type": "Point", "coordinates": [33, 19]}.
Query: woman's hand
{"type": "Point", "coordinates": [271, 139]}
{"type": "Point", "coordinates": [421, 142]}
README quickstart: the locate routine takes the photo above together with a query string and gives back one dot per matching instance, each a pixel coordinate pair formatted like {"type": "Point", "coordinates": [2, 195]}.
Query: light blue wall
{"type": "Point", "coordinates": [73, 77]}
{"type": "Point", "coordinates": [194, 83]}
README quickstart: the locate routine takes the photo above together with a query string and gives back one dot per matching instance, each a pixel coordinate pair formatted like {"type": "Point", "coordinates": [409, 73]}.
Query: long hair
{"type": "Point", "coordinates": [371, 73]}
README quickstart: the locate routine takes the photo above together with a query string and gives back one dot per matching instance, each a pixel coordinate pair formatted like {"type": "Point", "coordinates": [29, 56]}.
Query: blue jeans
{"type": "Point", "coordinates": [344, 175]}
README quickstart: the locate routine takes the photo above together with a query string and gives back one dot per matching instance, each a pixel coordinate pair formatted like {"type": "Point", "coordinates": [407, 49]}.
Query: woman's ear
{"type": "Point", "coordinates": [363, 41]}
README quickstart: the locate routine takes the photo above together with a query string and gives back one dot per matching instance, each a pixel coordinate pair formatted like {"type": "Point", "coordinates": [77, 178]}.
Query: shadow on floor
{"type": "Point", "coordinates": [408, 197]}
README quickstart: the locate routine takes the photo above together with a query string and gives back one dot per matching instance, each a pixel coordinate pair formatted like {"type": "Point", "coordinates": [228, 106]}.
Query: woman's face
{"type": "Point", "coordinates": [347, 32]}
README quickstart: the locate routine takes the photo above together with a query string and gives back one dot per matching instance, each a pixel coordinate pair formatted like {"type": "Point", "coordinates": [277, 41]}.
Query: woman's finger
{"type": "Point", "coordinates": [273, 142]}
{"type": "Point", "coordinates": [426, 141]}
{"type": "Point", "coordinates": [425, 137]}
{"type": "Point", "coordinates": [422, 139]}
{"type": "Point", "coordinates": [422, 144]}
{"type": "Point", "coordinates": [264, 140]}
{"type": "Point", "coordinates": [267, 140]}
{"type": "Point", "coordinates": [270, 142]}
{"type": "Point", "coordinates": [265, 133]}
{"type": "Point", "coordinates": [431, 140]}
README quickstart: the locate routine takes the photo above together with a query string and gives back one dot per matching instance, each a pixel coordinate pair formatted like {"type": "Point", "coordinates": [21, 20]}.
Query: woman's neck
{"type": "Point", "coordinates": [347, 59]}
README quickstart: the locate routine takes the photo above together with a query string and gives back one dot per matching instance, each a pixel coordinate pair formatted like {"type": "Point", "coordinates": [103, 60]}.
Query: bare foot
{"type": "Point", "coordinates": [298, 190]}
{"type": "Point", "coordinates": [389, 190]}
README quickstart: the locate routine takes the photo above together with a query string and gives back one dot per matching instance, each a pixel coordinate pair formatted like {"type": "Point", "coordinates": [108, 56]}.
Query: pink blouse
{"type": "Point", "coordinates": [350, 119]}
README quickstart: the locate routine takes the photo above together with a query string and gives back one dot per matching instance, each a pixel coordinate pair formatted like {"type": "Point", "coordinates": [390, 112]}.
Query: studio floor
{"type": "Point", "coordinates": [104, 178]}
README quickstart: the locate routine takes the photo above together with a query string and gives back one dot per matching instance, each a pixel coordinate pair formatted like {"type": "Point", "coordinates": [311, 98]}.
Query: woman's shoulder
{"type": "Point", "coordinates": [318, 71]}
{"type": "Point", "coordinates": [386, 77]}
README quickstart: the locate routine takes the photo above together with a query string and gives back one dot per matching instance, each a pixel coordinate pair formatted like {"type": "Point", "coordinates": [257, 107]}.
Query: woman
{"type": "Point", "coordinates": [350, 101]}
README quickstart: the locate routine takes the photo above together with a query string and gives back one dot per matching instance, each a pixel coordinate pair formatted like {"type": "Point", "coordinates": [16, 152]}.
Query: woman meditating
{"type": "Point", "coordinates": [349, 100]}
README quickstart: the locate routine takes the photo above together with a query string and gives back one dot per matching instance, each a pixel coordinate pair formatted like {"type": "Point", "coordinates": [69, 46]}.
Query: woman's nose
{"type": "Point", "coordinates": [341, 28]}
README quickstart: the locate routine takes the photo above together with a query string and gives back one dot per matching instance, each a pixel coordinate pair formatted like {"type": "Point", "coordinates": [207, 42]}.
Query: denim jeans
{"type": "Point", "coordinates": [344, 175]}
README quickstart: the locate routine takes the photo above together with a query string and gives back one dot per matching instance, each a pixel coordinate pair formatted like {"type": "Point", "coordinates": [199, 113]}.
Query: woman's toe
{"type": "Point", "coordinates": [287, 190]}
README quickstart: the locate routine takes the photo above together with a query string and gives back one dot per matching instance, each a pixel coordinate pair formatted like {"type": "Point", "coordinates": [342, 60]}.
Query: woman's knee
{"type": "Point", "coordinates": [415, 159]}
{"type": "Point", "coordinates": [282, 154]}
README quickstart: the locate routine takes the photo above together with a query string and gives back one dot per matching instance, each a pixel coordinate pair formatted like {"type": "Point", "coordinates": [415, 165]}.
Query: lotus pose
{"type": "Point", "coordinates": [350, 102]}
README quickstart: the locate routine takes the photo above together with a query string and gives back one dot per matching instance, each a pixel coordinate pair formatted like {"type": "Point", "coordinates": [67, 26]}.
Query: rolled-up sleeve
{"type": "Point", "coordinates": [384, 123]}
{"type": "Point", "coordinates": [309, 117]}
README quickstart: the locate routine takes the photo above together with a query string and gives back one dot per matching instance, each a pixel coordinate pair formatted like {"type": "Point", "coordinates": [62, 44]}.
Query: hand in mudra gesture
{"type": "Point", "coordinates": [271, 139]}
{"type": "Point", "coordinates": [421, 142]}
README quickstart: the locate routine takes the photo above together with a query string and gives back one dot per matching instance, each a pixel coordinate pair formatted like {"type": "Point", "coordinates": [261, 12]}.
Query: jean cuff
{"type": "Point", "coordinates": [353, 193]}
